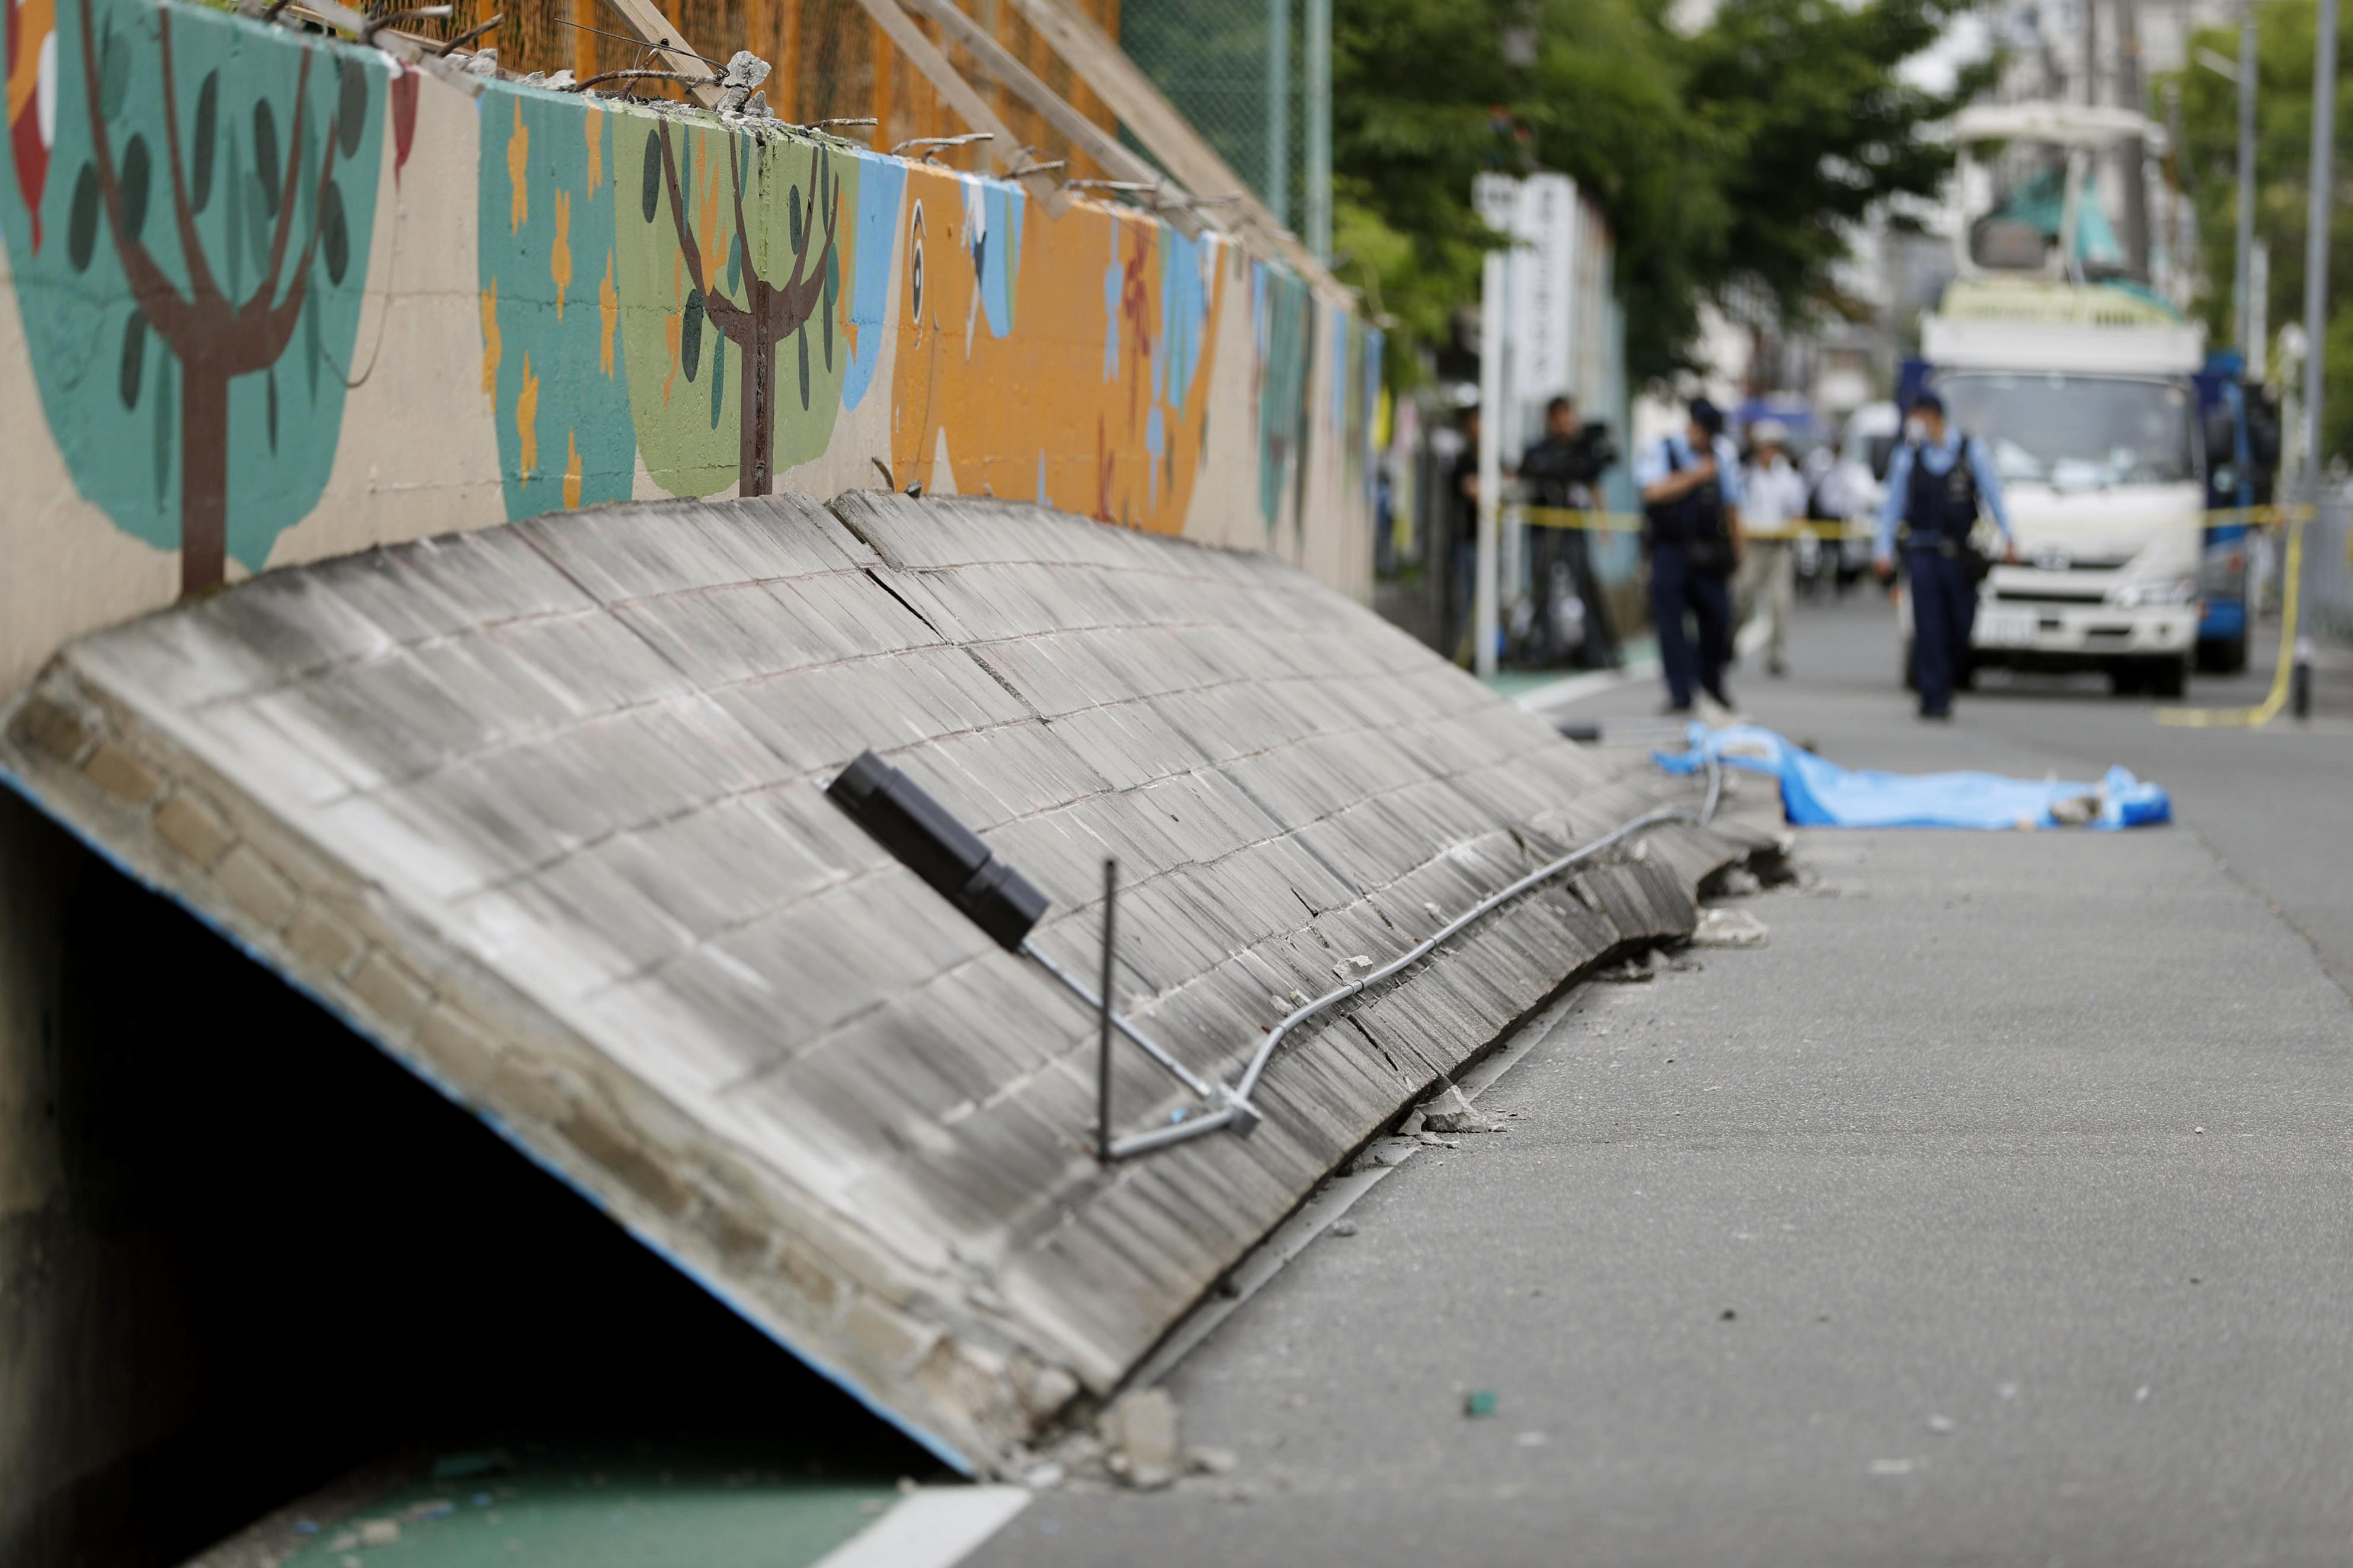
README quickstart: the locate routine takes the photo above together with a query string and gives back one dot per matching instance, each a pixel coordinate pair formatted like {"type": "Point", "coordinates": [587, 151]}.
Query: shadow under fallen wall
{"type": "Point", "coordinates": [271, 1253]}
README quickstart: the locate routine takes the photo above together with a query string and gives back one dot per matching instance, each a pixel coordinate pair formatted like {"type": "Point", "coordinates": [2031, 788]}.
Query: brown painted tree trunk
{"type": "Point", "coordinates": [204, 481]}
{"type": "Point", "coordinates": [755, 444]}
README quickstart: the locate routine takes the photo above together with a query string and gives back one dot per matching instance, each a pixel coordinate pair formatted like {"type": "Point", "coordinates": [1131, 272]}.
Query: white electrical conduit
{"type": "Point", "coordinates": [1235, 1108]}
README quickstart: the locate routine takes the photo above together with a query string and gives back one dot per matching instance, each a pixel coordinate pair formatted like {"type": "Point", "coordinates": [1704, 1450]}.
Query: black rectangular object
{"type": "Point", "coordinates": [924, 836]}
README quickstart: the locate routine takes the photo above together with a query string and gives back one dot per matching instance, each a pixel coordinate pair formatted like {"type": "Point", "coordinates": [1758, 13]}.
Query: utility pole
{"type": "Point", "coordinates": [2243, 267]}
{"type": "Point", "coordinates": [2133, 157]}
{"type": "Point", "coordinates": [1497, 198]}
{"type": "Point", "coordinates": [1278, 110]}
{"type": "Point", "coordinates": [2090, 53]}
{"type": "Point", "coordinates": [2315, 288]}
{"type": "Point", "coordinates": [1318, 116]}
{"type": "Point", "coordinates": [2316, 244]}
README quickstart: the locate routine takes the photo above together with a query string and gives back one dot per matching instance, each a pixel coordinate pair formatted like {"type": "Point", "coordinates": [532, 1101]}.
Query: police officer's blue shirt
{"type": "Point", "coordinates": [1651, 464]}
{"type": "Point", "coordinates": [1938, 457]}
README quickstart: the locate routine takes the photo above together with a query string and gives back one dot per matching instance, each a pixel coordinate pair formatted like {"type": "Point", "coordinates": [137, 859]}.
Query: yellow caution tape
{"type": "Point", "coordinates": [2282, 673]}
{"type": "Point", "coordinates": [1600, 522]}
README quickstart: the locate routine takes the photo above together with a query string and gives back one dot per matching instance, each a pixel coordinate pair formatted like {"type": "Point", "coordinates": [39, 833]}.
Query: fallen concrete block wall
{"type": "Point", "coordinates": [536, 809]}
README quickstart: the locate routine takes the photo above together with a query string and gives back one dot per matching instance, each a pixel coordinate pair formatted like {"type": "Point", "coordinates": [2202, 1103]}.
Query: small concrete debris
{"type": "Point", "coordinates": [1343, 1228]}
{"type": "Point", "coordinates": [1943, 1425]}
{"type": "Point", "coordinates": [1044, 1477]}
{"type": "Point", "coordinates": [1358, 960]}
{"type": "Point", "coordinates": [1142, 1432]}
{"type": "Point", "coordinates": [1634, 971]}
{"type": "Point", "coordinates": [1210, 1461]}
{"type": "Point", "coordinates": [1479, 1402]}
{"type": "Point", "coordinates": [1450, 1112]}
{"type": "Point", "coordinates": [1411, 1125]}
{"type": "Point", "coordinates": [1738, 882]}
{"type": "Point", "coordinates": [379, 1532]}
{"type": "Point", "coordinates": [745, 72]}
{"type": "Point", "coordinates": [1728, 928]}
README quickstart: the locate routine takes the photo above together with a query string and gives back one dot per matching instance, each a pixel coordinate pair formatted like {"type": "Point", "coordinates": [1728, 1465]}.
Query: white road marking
{"type": "Point", "coordinates": [931, 1527]}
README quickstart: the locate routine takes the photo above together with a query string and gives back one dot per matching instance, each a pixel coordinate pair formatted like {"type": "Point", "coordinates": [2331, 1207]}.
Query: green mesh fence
{"type": "Point", "coordinates": [1237, 70]}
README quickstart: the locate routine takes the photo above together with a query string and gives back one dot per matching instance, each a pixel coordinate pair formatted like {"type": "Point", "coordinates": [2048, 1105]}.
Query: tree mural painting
{"type": "Point", "coordinates": [209, 236]}
{"type": "Point", "coordinates": [547, 262]}
{"type": "Point", "coordinates": [744, 236]}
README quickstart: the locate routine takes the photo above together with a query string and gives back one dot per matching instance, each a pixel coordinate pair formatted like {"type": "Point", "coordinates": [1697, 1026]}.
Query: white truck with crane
{"type": "Point", "coordinates": [2081, 388]}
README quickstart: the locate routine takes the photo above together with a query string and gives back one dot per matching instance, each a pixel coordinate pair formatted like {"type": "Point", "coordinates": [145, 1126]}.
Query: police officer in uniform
{"type": "Point", "coordinates": [1691, 524]}
{"type": "Point", "coordinates": [1936, 485]}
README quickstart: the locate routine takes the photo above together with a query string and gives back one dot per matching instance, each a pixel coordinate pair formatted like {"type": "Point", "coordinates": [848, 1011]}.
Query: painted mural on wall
{"type": "Point", "coordinates": [554, 355]}
{"type": "Point", "coordinates": [664, 304]}
{"type": "Point", "coordinates": [1057, 374]}
{"type": "Point", "coordinates": [188, 222]}
{"type": "Point", "coordinates": [735, 250]}
{"type": "Point", "coordinates": [1281, 323]}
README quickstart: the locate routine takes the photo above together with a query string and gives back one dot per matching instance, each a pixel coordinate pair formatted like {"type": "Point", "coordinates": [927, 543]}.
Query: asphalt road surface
{"type": "Point", "coordinates": [1997, 1212]}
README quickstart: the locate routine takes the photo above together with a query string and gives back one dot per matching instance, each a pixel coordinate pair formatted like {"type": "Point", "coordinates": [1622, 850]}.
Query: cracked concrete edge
{"type": "Point", "coordinates": [1740, 835]}
{"type": "Point", "coordinates": [921, 1351]}
{"type": "Point", "coordinates": [836, 1299]}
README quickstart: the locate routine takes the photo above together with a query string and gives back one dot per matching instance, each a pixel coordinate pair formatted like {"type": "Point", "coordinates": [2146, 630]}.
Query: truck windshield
{"type": "Point", "coordinates": [2075, 431]}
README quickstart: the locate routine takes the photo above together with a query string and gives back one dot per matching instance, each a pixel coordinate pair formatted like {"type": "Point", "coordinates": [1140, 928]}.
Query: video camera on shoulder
{"type": "Point", "coordinates": [1592, 452]}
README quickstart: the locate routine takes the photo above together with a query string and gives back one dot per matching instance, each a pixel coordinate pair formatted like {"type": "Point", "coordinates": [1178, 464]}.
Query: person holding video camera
{"type": "Point", "coordinates": [1560, 470]}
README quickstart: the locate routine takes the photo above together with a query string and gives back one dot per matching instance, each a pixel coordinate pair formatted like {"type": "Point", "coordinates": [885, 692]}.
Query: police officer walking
{"type": "Point", "coordinates": [1691, 524]}
{"type": "Point", "coordinates": [1937, 485]}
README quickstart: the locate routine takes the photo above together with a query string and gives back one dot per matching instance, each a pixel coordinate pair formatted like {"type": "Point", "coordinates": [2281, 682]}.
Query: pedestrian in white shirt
{"type": "Point", "coordinates": [1772, 509]}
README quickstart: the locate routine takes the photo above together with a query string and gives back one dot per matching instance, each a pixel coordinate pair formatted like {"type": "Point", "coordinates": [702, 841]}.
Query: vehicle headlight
{"type": "Point", "coordinates": [2154, 590]}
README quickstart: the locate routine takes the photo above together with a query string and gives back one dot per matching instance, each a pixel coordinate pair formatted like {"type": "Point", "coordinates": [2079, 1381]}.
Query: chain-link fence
{"type": "Point", "coordinates": [1238, 71]}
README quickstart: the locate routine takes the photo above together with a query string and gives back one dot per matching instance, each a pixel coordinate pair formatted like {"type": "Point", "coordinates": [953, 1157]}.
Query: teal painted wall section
{"type": "Point", "coordinates": [190, 314]}
{"type": "Point", "coordinates": [554, 360]}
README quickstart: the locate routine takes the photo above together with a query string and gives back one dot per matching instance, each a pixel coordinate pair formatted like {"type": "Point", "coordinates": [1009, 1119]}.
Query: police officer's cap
{"type": "Point", "coordinates": [1928, 402]}
{"type": "Point", "coordinates": [1708, 415]}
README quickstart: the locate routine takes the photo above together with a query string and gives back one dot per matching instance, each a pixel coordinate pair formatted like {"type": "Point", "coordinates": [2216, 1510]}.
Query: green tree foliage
{"type": "Point", "coordinates": [1730, 162]}
{"type": "Point", "coordinates": [2210, 153]}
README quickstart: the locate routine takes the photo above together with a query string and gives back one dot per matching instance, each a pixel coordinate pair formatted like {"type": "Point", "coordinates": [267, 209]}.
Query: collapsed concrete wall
{"type": "Point", "coordinates": [534, 807]}
{"type": "Point", "coordinates": [490, 300]}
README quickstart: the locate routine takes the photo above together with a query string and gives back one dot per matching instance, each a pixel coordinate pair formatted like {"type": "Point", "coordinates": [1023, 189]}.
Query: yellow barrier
{"type": "Point", "coordinates": [2283, 672]}
{"type": "Point", "coordinates": [1595, 522]}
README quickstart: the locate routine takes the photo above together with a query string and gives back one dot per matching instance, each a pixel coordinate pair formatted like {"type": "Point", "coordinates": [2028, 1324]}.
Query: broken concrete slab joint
{"type": "Point", "coordinates": [534, 808]}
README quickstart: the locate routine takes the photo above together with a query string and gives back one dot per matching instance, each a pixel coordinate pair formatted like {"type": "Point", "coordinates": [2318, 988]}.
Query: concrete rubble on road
{"type": "Point", "coordinates": [535, 809]}
{"type": "Point", "coordinates": [1721, 927]}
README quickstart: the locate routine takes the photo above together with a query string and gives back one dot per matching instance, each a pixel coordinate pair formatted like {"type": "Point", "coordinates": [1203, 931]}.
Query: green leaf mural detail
{"type": "Point", "coordinates": [134, 357]}
{"type": "Point", "coordinates": [202, 326]}
{"type": "Point", "coordinates": [265, 154]}
{"type": "Point", "coordinates": [82, 225]}
{"type": "Point", "coordinates": [205, 145]}
{"type": "Point", "coordinates": [137, 175]}
{"type": "Point", "coordinates": [756, 233]}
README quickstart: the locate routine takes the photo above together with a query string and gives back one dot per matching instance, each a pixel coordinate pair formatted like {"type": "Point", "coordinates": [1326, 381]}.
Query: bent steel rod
{"type": "Point", "coordinates": [1236, 1110]}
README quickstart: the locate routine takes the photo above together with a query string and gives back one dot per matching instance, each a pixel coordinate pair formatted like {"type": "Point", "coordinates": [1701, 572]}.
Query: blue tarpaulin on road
{"type": "Point", "coordinates": [1820, 793]}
